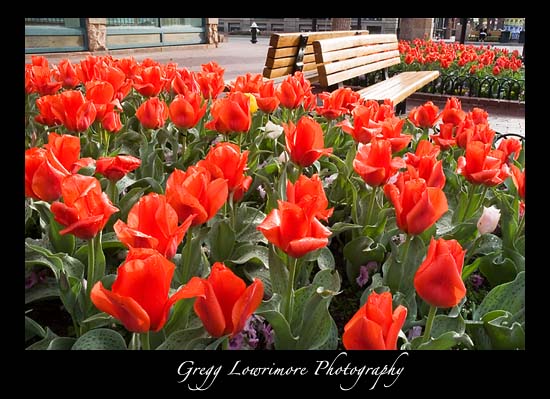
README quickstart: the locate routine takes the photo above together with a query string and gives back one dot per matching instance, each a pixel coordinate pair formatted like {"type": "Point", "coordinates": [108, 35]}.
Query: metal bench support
{"type": "Point", "coordinates": [299, 62]}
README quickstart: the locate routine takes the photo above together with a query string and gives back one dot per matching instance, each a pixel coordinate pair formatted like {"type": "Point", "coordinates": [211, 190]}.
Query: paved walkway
{"type": "Point", "coordinates": [239, 56]}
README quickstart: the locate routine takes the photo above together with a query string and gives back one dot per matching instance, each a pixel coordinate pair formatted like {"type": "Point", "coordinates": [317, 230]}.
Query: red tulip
{"type": "Point", "coordinates": [518, 177]}
{"type": "Point", "coordinates": [153, 223]}
{"type": "Point", "coordinates": [374, 162]}
{"type": "Point", "coordinates": [184, 81]}
{"type": "Point", "coordinates": [152, 113]}
{"type": "Point", "coordinates": [231, 114]}
{"type": "Point", "coordinates": [226, 161]}
{"type": "Point", "coordinates": [374, 325]}
{"type": "Point", "coordinates": [41, 79]}
{"type": "Point", "coordinates": [391, 130]}
{"type": "Point", "coordinates": [111, 122]}
{"type": "Point", "coordinates": [186, 110]}
{"type": "Point", "coordinates": [249, 83]}
{"type": "Point", "coordinates": [139, 295]}
{"type": "Point", "coordinates": [453, 113]}
{"type": "Point", "coordinates": [149, 81]}
{"type": "Point", "coordinates": [304, 142]}
{"type": "Point", "coordinates": [445, 139]}
{"type": "Point", "coordinates": [478, 115]}
{"type": "Point", "coordinates": [292, 230]}
{"type": "Point", "coordinates": [85, 209]}
{"type": "Point", "coordinates": [194, 192]}
{"type": "Point", "coordinates": [102, 95]}
{"type": "Point", "coordinates": [417, 206]}
{"type": "Point", "coordinates": [508, 147]}
{"type": "Point", "coordinates": [210, 80]}
{"type": "Point", "coordinates": [423, 164]}
{"type": "Point", "coordinates": [115, 168]}
{"type": "Point", "coordinates": [266, 99]}
{"type": "Point", "coordinates": [291, 92]}
{"type": "Point", "coordinates": [364, 128]}
{"type": "Point", "coordinates": [224, 302]}
{"type": "Point", "coordinates": [308, 194]}
{"type": "Point", "coordinates": [66, 74]}
{"type": "Point", "coordinates": [438, 280]}
{"type": "Point", "coordinates": [425, 115]}
{"type": "Point", "coordinates": [74, 111]}
{"type": "Point", "coordinates": [481, 165]}
{"type": "Point", "coordinates": [339, 102]}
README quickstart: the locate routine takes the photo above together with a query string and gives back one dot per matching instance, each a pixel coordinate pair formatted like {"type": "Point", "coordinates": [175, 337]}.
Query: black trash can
{"type": "Point", "coordinates": [505, 36]}
{"type": "Point", "coordinates": [521, 37]}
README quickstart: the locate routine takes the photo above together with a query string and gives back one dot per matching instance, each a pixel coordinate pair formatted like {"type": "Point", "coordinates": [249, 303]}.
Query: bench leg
{"type": "Point", "coordinates": [401, 108]}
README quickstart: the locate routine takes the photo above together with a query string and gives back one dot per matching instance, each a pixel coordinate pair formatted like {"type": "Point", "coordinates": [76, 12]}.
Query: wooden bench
{"type": "Point", "coordinates": [344, 58]}
{"type": "Point", "coordinates": [290, 52]}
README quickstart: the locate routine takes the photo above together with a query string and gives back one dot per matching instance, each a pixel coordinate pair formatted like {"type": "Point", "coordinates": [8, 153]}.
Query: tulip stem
{"type": "Point", "coordinates": [91, 266]}
{"type": "Point", "coordinates": [471, 194]}
{"type": "Point", "coordinates": [372, 200]}
{"type": "Point", "coordinates": [112, 191]}
{"type": "Point", "coordinates": [186, 261]}
{"type": "Point", "coordinates": [134, 342]}
{"type": "Point", "coordinates": [429, 324]}
{"type": "Point", "coordinates": [144, 339]}
{"type": "Point", "coordinates": [521, 225]}
{"type": "Point", "coordinates": [290, 289]}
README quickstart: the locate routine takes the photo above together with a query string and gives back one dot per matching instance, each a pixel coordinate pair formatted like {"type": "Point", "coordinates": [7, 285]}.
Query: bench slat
{"type": "Point", "coordinates": [356, 52]}
{"type": "Point", "coordinates": [281, 62]}
{"type": "Point", "coordinates": [329, 80]}
{"type": "Point", "coordinates": [282, 52]}
{"type": "Point", "coordinates": [293, 39]}
{"type": "Point", "coordinates": [274, 73]}
{"type": "Point", "coordinates": [328, 45]}
{"type": "Point", "coordinates": [358, 61]}
{"type": "Point", "coordinates": [398, 87]}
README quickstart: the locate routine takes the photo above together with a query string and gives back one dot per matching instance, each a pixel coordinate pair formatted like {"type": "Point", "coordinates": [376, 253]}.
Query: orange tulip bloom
{"type": "Point", "coordinates": [186, 110]}
{"type": "Point", "coordinates": [266, 99]}
{"type": "Point", "coordinates": [453, 113]}
{"type": "Point", "coordinates": [115, 168]}
{"type": "Point", "coordinates": [184, 81]}
{"type": "Point", "coordinates": [374, 162]}
{"type": "Point", "coordinates": [102, 94]}
{"type": "Point", "coordinates": [249, 83]}
{"type": "Point", "coordinates": [152, 113]}
{"type": "Point", "coordinates": [308, 194]}
{"type": "Point", "coordinates": [139, 295]}
{"type": "Point", "coordinates": [74, 111]}
{"type": "Point", "coordinates": [304, 141]}
{"type": "Point", "coordinates": [438, 280]}
{"type": "Point", "coordinates": [445, 139]}
{"type": "Point", "coordinates": [374, 325]}
{"type": "Point", "coordinates": [425, 115]}
{"type": "Point", "coordinates": [423, 164]}
{"type": "Point", "coordinates": [481, 165]}
{"type": "Point", "coordinates": [224, 302]}
{"type": "Point", "coordinates": [364, 128]}
{"type": "Point", "coordinates": [42, 83]}
{"type": "Point", "coordinates": [153, 223]}
{"type": "Point", "coordinates": [226, 161]}
{"type": "Point", "coordinates": [290, 92]}
{"type": "Point", "coordinates": [194, 192]}
{"type": "Point", "coordinates": [293, 230]}
{"type": "Point", "coordinates": [85, 209]}
{"type": "Point", "coordinates": [391, 129]}
{"type": "Point", "coordinates": [111, 122]}
{"type": "Point", "coordinates": [417, 206]}
{"type": "Point", "coordinates": [478, 115]}
{"type": "Point", "coordinates": [508, 147]}
{"type": "Point", "coordinates": [210, 80]}
{"type": "Point", "coordinates": [149, 81]}
{"type": "Point", "coordinates": [518, 177]}
{"type": "Point", "coordinates": [339, 102]}
{"type": "Point", "coordinates": [66, 74]}
{"type": "Point", "coordinates": [231, 114]}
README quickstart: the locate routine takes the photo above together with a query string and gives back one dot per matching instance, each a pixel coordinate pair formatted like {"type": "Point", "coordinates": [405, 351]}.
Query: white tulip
{"type": "Point", "coordinates": [272, 130]}
{"type": "Point", "coordinates": [488, 221]}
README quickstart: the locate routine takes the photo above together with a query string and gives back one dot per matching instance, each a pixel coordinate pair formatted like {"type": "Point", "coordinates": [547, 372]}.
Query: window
{"type": "Point", "coordinates": [132, 21]}
{"type": "Point", "coordinates": [374, 29]}
{"type": "Point", "coordinates": [305, 28]}
{"type": "Point", "coordinates": [277, 27]}
{"type": "Point", "coordinates": [233, 26]}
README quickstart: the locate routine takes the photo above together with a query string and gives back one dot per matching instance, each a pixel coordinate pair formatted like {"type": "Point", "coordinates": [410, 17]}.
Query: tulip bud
{"type": "Point", "coordinates": [272, 130]}
{"type": "Point", "coordinates": [488, 221]}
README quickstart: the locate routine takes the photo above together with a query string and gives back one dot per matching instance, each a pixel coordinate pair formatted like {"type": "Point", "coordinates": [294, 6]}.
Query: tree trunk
{"type": "Point", "coordinates": [341, 23]}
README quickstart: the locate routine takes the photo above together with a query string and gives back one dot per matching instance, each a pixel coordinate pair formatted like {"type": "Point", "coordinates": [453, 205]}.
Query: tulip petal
{"type": "Point", "coordinates": [364, 334]}
{"type": "Point", "coordinates": [246, 305]}
{"type": "Point", "coordinates": [210, 312]}
{"type": "Point", "coordinates": [299, 248]}
{"type": "Point", "coordinates": [399, 315]}
{"type": "Point", "coordinates": [125, 309]}
{"type": "Point", "coordinates": [228, 288]}
{"type": "Point", "coordinates": [431, 206]}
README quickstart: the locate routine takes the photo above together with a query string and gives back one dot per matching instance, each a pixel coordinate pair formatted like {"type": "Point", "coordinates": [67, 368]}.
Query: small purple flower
{"type": "Point", "coordinates": [329, 180]}
{"type": "Point", "coordinates": [477, 281]}
{"type": "Point", "coordinates": [31, 280]}
{"type": "Point", "coordinates": [236, 343]}
{"type": "Point", "coordinates": [267, 333]}
{"type": "Point", "coordinates": [414, 332]}
{"type": "Point", "coordinates": [364, 272]}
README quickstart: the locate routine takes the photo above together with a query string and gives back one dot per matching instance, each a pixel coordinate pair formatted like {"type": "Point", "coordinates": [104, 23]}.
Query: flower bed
{"type": "Point", "coordinates": [164, 213]}
{"type": "Point", "coordinates": [475, 71]}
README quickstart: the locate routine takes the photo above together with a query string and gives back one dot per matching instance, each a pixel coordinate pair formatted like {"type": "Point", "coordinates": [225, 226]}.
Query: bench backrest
{"type": "Point", "coordinates": [343, 58]}
{"type": "Point", "coordinates": [284, 47]}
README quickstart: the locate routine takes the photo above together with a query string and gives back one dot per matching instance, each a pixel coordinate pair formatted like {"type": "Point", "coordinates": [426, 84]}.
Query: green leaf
{"type": "Point", "coordinates": [340, 227]}
{"type": "Point", "coordinates": [61, 343]}
{"type": "Point", "coordinates": [110, 240]}
{"type": "Point", "coordinates": [324, 258]}
{"type": "Point", "coordinates": [360, 251]}
{"type": "Point", "coordinates": [444, 323]}
{"type": "Point", "coordinates": [485, 244]}
{"type": "Point", "coordinates": [43, 344]}
{"type": "Point", "coordinates": [128, 201]}
{"type": "Point", "coordinates": [503, 332]}
{"type": "Point", "coordinates": [61, 243]}
{"type": "Point", "coordinates": [247, 252]}
{"type": "Point", "coordinates": [179, 317]}
{"type": "Point", "coordinates": [445, 341]}
{"type": "Point", "coordinates": [316, 322]}
{"type": "Point", "coordinates": [469, 269]}
{"type": "Point", "coordinates": [181, 339]}
{"type": "Point", "coordinates": [402, 264]}
{"type": "Point", "coordinates": [37, 255]}
{"type": "Point", "coordinates": [253, 270]}
{"type": "Point", "coordinates": [497, 269]}
{"type": "Point", "coordinates": [222, 241]}
{"type": "Point", "coordinates": [32, 328]}
{"type": "Point", "coordinates": [214, 345]}
{"type": "Point", "coordinates": [248, 219]}
{"type": "Point", "coordinates": [100, 338]}
{"type": "Point", "coordinates": [278, 272]}
{"type": "Point", "coordinates": [283, 337]}
{"type": "Point", "coordinates": [45, 289]}
{"type": "Point", "coordinates": [509, 297]}
{"type": "Point", "coordinates": [331, 343]}
{"type": "Point", "coordinates": [148, 184]}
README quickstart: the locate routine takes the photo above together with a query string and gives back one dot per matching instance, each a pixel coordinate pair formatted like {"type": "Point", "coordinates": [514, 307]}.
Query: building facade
{"type": "Point", "coordinates": [269, 25]}
{"type": "Point", "coordinates": [92, 34]}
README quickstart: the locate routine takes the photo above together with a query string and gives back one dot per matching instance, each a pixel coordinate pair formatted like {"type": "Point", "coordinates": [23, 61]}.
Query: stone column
{"type": "Point", "coordinates": [96, 30]}
{"type": "Point", "coordinates": [341, 23]}
{"type": "Point", "coordinates": [212, 36]}
{"type": "Point", "coordinates": [413, 28]}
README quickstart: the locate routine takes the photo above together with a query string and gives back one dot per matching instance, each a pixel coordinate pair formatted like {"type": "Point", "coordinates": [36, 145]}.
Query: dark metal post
{"type": "Point", "coordinates": [314, 24]}
{"type": "Point", "coordinates": [464, 22]}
